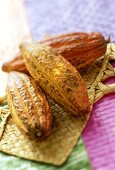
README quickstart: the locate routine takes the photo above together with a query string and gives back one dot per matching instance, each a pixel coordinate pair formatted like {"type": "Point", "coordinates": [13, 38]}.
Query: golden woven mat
{"type": "Point", "coordinates": [66, 128]}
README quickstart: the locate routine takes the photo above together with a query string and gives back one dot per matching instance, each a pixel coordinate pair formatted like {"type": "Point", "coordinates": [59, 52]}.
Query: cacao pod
{"type": "Point", "coordinates": [28, 105]}
{"type": "Point", "coordinates": [57, 77]}
{"type": "Point", "coordinates": [80, 49]}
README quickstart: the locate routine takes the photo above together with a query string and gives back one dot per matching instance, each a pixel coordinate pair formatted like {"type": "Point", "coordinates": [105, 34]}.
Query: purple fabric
{"type": "Point", "coordinates": [99, 134]}
{"type": "Point", "coordinates": [59, 16]}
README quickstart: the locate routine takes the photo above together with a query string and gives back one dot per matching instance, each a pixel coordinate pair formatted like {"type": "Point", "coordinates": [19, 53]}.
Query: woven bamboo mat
{"type": "Point", "coordinates": [66, 129]}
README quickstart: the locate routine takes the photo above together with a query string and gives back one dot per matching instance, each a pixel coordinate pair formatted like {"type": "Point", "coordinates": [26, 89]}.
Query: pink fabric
{"type": "Point", "coordinates": [99, 134]}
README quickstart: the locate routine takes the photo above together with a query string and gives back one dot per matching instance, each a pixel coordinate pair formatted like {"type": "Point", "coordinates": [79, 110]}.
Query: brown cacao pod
{"type": "Point", "coordinates": [80, 49]}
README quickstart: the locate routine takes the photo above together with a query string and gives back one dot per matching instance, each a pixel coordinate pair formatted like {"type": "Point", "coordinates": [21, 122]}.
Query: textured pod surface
{"type": "Point", "coordinates": [79, 48]}
{"type": "Point", "coordinates": [28, 105]}
{"type": "Point", "coordinates": [57, 77]}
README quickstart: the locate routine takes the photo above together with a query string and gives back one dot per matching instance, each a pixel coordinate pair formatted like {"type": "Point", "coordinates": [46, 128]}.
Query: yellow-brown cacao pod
{"type": "Point", "coordinates": [57, 77]}
{"type": "Point", "coordinates": [28, 105]}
